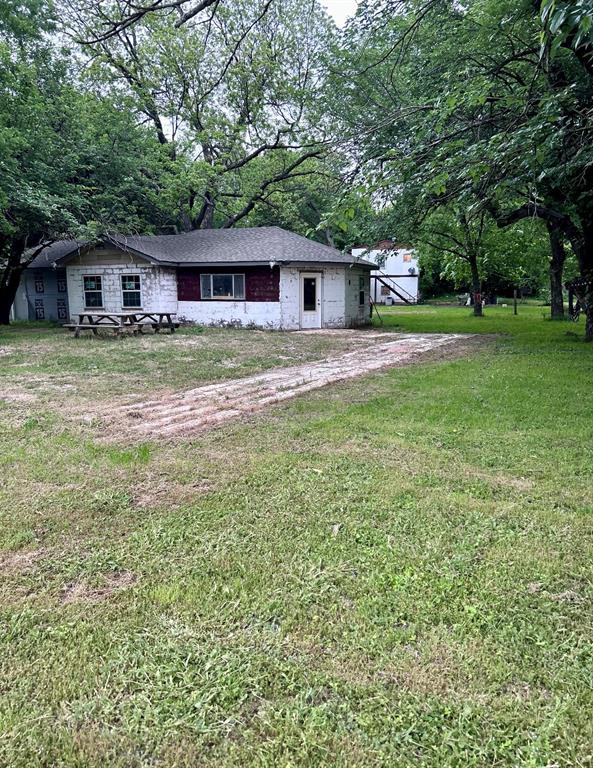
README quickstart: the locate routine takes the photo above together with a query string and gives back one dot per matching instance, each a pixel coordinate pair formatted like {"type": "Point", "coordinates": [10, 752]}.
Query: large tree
{"type": "Point", "coordinates": [231, 95]}
{"type": "Point", "coordinates": [71, 164]}
{"type": "Point", "coordinates": [37, 146]}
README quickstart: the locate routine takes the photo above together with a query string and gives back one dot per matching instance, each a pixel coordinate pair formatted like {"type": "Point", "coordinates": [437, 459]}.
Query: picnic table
{"type": "Point", "coordinates": [123, 322]}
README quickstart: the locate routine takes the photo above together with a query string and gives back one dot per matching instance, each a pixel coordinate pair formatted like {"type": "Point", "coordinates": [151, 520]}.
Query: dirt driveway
{"type": "Point", "coordinates": [195, 410]}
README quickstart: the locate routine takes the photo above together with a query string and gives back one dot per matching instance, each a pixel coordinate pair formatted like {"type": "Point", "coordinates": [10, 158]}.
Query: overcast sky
{"type": "Point", "coordinates": [340, 9]}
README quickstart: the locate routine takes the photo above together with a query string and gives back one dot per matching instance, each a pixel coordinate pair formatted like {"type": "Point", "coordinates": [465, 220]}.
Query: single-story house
{"type": "Point", "coordinates": [395, 278]}
{"type": "Point", "coordinates": [261, 276]}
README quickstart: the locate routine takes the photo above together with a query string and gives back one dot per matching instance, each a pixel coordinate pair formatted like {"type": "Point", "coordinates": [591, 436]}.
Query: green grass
{"type": "Point", "coordinates": [42, 362]}
{"type": "Point", "coordinates": [395, 571]}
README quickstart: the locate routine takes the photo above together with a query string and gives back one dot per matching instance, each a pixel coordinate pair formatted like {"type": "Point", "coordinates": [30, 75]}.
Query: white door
{"type": "Point", "coordinates": [310, 300]}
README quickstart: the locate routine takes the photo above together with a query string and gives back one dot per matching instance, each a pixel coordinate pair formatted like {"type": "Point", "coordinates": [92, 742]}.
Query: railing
{"type": "Point", "coordinates": [396, 288]}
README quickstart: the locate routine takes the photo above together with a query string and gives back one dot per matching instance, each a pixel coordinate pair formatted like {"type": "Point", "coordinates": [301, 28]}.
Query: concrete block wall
{"type": "Point", "coordinates": [332, 296]}
{"type": "Point", "coordinates": [264, 314]}
{"type": "Point", "coordinates": [158, 286]}
{"type": "Point", "coordinates": [355, 314]}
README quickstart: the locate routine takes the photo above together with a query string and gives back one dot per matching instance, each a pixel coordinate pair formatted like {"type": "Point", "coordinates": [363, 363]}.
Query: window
{"type": "Point", "coordinates": [39, 310]}
{"type": "Point", "coordinates": [93, 291]}
{"type": "Point", "coordinates": [222, 286]}
{"type": "Point", "coordinates": [361, 291]}
{"type": "Point", "coordinates": [62, 285]}
{"type": "Point", "coordinates": [39, 287]}
{"type": "Point", "coordinates": [407, 257]}
{"type": "Point", "coordinates": [130, 291]}
{"type": "Point", "coordinates": [310, 294]}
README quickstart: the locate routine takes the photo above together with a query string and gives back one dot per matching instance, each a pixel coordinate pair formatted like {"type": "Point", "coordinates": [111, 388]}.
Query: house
{"type": "Point", "coordinates": [43, 290]}
{"type": "Point", "coordinates": [262, 276]}
{"type": "Point", "coordinates": [396, 276]}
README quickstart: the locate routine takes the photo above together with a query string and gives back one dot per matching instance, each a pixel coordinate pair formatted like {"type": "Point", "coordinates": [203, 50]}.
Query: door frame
{"type": "Point", "coordinates": [318, 296]}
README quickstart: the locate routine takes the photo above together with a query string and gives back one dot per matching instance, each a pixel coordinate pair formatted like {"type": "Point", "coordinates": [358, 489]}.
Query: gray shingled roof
{"type": "Point", "coordinates": [55, 252]}
{"type": "Point", "coordinates": [233, 246]}
{"type": "Point", "coordinates": [248, 245]}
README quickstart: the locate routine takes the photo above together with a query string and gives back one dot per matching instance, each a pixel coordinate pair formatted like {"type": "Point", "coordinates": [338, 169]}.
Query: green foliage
{"type": "Point", "coordinates": [453, 106]}
{"type": "Point", "coordinates": [516, 257]}
{"type": "Point", "coordinates": [568, 22]}
{"type": "Point", "coordinates": [232, 101]}
{"type": "Point", "coordinates": [26, 21]}
{"type": "Point", "coordinates": [73, 162]}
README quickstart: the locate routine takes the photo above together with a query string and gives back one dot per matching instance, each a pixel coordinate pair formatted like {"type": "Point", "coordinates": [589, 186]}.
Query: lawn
{"type": "Point", "coordinates": [393, 571]}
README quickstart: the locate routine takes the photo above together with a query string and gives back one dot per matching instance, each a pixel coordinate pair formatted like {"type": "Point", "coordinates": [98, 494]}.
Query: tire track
{"type": "Point", "coordinates": [195, 410]}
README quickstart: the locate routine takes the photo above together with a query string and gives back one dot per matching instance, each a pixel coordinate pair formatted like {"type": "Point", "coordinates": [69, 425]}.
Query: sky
{"type": "Point", "coordinates": [340, 9]}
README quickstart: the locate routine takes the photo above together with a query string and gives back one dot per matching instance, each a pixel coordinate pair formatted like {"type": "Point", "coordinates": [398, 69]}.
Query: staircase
{"type": "Point", "coordinates": [395, 288]}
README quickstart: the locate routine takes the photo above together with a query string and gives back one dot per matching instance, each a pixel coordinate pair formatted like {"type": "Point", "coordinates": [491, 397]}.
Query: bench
{"type": "Point", "coordinates": [133, 328]}
{"type": "Point", "coordinates": [145, 320]}
{"type": "Point", "coordinates": [156, 327]}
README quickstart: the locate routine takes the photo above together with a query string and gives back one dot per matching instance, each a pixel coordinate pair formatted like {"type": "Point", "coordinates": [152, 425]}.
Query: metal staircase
{"type": "Point", "coordinates": [395, 288]}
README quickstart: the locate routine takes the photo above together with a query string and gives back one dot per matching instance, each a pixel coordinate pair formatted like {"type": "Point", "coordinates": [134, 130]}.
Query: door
{"type": "Point", "coordinates": [310, 300]}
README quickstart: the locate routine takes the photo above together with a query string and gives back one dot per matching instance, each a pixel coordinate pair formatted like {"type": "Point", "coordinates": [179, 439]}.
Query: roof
{"type": "Point", "coordinates": [250, 245]}
{"type": "Point", "coordinates": [245, 245]}
{"type": "Point", "coordinates": [54, 252]}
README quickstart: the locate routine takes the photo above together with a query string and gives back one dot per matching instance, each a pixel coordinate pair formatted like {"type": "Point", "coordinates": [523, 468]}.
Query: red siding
{"type": "Point", "coordinates": [261, 283]}
{"type": "Point", "coordinates": [188, 285]}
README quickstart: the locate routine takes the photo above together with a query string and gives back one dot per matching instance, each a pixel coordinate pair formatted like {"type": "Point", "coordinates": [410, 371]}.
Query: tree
{"type": "Point", "coordinates": [447, 116]}
{"type": "Point", "coordinates": [72, 164]}
{"type": "Point", "coordinates": [231, 99]}
{"type": "Point", "coordinates": [36, 201]}
{"type": "Point", "coordinates": [118, 17]}
{"type": "Point", "coordinates": [505, 259]}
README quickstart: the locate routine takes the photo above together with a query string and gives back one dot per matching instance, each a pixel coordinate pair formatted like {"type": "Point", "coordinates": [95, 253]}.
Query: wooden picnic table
{"type": "Point", "coordinates": [123, 322]}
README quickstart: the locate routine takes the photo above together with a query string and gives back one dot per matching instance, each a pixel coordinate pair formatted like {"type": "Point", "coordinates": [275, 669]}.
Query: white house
{"type": "Point", "coordinates": [396, 276]}
{"type": "Point", "coordinates": [262, 276]}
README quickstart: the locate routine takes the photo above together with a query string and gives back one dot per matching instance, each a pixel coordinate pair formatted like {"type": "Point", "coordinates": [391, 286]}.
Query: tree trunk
{"type": "Point", "coordinates": [476, 287]}
{"type": "Point", "coordinates": [588, 304]}
{"type": "Point", "coordinates": [585, 259]}
{"type": "Point", "coordinates": [589, 318]}
{"type": "Point", "coordinates": [205, 218]}
{"type": "Point", "coordinates": [9, 283]}
{"type": "Point", "coordinates": [557, 259]}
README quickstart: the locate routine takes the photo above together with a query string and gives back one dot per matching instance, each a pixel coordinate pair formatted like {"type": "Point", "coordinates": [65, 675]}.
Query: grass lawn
{"type": "Point", "coordinates": [393, 571]}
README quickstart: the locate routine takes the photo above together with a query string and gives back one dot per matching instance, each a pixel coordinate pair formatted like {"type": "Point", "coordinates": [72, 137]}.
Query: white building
{"type": "Point", "coordinates": [262, 276]}
{"type": "Point", "coordinates": [396, 278]}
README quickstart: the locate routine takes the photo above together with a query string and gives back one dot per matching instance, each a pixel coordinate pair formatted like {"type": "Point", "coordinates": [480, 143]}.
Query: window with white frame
{"type": "Point", "coordinates": [131, 291]}
{"type": "Point", "coordinates": [93, 291]}
{"type": "Point", "coordinates": [222, 286]}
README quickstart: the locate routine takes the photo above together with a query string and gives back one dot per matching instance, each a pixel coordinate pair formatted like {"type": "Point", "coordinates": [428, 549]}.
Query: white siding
{"type": "Point", "coordinates": [289, 298]}
{"type": "Point", "coordinates": [335, 280]}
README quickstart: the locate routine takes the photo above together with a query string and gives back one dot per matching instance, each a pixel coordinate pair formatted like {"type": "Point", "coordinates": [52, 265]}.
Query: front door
{"type": "Point", "coordinates": [310, 300]}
